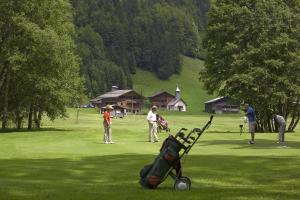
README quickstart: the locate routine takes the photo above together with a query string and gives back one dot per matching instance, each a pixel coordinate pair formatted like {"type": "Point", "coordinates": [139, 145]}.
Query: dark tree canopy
{"type": "Point", "coordinates": [253, 54]}
{"type": "Point", "coordinates": [123, 35]}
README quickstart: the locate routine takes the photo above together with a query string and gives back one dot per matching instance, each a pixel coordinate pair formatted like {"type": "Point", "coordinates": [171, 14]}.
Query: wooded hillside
{"type": "Point", "coordinates": [115, 37]}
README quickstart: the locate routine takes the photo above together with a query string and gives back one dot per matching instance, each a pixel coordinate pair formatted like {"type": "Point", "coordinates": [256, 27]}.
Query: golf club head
{"type": "Point", "coordinates": [197, 130]}
{"type": "Point", "coordinates": [184, 129]}
{"type": "Point", "coordinates": [192, 138]}
{"type": "Point", "coordinates": [181, 134]}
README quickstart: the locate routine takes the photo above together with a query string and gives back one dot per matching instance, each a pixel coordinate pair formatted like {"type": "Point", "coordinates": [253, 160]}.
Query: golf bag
{"type": "Point", "coordinates": [152, 175]}
{"type": "Point", "coordinates": [162, 124]}
{"type": "Point", "coordinates": [171, 152]}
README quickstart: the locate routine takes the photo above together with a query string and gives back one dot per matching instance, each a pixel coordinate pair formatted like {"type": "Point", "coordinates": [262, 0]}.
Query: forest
{"type": "Point", "coordinates": [116, 37]}
{"type": "Point", "coordinates": [55, 53]}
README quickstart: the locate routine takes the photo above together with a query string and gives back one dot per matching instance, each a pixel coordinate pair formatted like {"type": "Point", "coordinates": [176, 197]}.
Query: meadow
{"type": "Point", "coordinates": [192, 91]}
{"type": "Point", "coordinates": [68, 160]}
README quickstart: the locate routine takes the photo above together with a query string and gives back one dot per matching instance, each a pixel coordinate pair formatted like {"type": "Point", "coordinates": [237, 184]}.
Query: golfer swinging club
{"type": "Point", "coordinates": [250, 114]}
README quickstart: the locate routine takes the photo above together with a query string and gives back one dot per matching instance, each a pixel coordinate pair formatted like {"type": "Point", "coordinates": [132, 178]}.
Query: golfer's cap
{"type": "Point", "coordinates": [109, 107]}
{"type": "Point", "coordinates": [154, 107]}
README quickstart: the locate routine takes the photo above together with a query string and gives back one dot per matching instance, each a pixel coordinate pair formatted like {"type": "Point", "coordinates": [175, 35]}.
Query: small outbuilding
{"type": "Point", "coordinates": [222, 105]}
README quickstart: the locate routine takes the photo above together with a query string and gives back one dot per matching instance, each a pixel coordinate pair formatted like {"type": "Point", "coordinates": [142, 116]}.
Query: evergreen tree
{"type": "Point", "coordinates": [149, 34]}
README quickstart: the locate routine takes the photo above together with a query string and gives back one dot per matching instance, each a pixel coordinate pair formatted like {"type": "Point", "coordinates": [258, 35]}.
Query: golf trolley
{"type": "Point", "coordinates": [168, 162]}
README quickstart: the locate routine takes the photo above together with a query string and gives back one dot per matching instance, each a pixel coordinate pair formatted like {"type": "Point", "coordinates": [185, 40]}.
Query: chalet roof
{"type": "Point", "coordinates": [215, 100]}
{"type": "Point", "coordinates": [159, 93]}
{"type": "Point", "coordinates": [114, 106]}
{"type": "Point", "coordinates": [174, 101]}
{"type": "Point", "coordinates": [112, 94]}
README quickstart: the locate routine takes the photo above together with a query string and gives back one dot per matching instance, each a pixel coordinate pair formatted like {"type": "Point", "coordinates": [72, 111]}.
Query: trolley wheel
{"type": "Point", "coordinates": [183, 183]}
{"type": "Point", "coordinates": [187, 179]}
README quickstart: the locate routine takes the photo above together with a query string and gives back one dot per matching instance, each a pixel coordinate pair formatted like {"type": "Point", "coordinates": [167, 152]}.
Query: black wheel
{"type": "Point", "coordinates": [182, 184]}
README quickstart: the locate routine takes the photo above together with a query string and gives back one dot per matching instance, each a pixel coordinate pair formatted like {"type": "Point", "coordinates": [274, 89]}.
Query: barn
{"type": "Point", "coordinates": [222, 105]}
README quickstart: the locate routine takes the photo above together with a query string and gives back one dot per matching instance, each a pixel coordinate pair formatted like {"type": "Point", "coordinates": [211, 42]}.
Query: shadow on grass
{"type": "Point", "coordinates": [33, 130]}
{"type": "Point", "coordinates": [116, 177]}
{"type": "Point", "coordinates": [260, 144]}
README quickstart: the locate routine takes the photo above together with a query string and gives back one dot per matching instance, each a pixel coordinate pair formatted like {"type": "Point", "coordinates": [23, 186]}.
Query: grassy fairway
{"type": "Point", "coordinates": [70, 162]}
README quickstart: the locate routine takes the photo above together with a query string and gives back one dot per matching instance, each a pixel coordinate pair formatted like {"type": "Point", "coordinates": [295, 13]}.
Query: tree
{"type": "Point", "coordinates": [42, 70]}
{"type": "Point", "coordinates": [253, 55]}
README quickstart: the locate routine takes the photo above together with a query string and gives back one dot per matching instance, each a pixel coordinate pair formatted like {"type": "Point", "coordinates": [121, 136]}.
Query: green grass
{"type": "Point", "coordinates": [191, 88]}
{"type": "Point", "coordinates": [68, 161]}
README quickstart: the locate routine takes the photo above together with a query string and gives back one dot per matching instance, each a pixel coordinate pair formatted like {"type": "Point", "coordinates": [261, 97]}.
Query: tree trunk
{"type": "Point", "coordinates": [40, 118]}
{"type": "Point", "coordinates": [5, 100]}
{"type": "Point", "coordinates": [30, 117]}
{"type": "Point", "coordinates": [295, 117]}
{"type": "Point", "coordinates": [19, 121]}
{"type": "Point", "coordinates": [290, 128]}
{"type": "Point", "coordinates": [19, 118]}
{"type": "Point", "coordinates": [296, 122]}
{"type": "Point", "coordinates": [269, 121]}
{"type": "Point", "coordinates": [37, 118]}
{"type": "Point", "coordinates": [77, 114]}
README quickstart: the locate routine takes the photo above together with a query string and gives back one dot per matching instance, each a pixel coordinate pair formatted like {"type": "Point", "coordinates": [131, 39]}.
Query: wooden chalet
{"type": "Point", "coordinates": [164, 99]}
{"type": "Point", "coordinates": [129, 100]}
{"type": "Point", "coordinates": [161, 99]}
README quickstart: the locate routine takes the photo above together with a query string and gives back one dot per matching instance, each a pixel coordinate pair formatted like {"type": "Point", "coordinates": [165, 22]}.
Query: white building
{"type": "Point", "coordinates": [177, 104]}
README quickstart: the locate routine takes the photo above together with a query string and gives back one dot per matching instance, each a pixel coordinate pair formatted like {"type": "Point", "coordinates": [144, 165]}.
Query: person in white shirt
{"type": "Point", "coordinates": [152, 121]}
{"type": "Point", "coordinates": [281, 127]}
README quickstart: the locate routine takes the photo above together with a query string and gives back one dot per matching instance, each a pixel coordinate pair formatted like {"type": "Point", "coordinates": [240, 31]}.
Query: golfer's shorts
{"type": "Point", "coordinates": [252, 126]}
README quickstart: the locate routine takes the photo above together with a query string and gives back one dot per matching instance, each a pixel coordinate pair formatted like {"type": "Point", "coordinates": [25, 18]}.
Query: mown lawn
{"type": "Point", "coordinates": [66, 161]}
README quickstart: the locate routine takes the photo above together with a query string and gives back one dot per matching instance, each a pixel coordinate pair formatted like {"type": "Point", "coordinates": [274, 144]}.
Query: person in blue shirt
{"type": "Point", "coordinates": [250, 114]}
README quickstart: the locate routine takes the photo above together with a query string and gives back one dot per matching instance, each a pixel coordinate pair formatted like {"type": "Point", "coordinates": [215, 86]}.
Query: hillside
{"type": "Point", "coordinates": [114, 38]}
{"type": "Point", "coordinates": [192, 92]}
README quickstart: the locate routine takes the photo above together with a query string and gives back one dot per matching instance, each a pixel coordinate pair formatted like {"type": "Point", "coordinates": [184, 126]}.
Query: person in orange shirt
{"type": "Point", "coordinates": [106, 125]}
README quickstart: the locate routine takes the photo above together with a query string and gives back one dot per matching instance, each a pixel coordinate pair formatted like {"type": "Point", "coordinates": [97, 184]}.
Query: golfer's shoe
{"type": "Point", "coordinates": [106, 142]}
{"type": "Point", "coordinates": [251, 142]}
{"type": "Point", "coordinates": [111, 142]}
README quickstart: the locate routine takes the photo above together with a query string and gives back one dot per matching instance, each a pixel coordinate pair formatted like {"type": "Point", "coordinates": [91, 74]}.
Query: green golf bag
{"type": "Point", "coordinates": [152, 175]}
{"type": "Point", "coordinates": [171, 152]}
